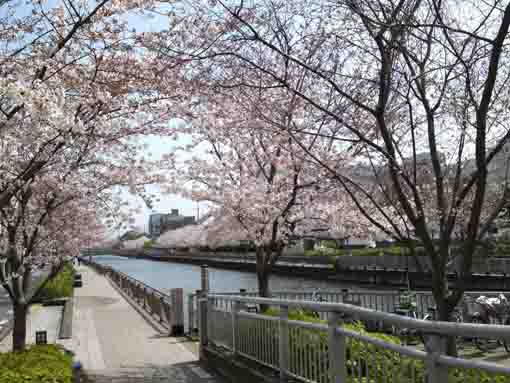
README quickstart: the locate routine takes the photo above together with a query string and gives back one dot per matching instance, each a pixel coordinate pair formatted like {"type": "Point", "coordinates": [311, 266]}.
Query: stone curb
{"type": "Point", "coordinates": [66, 323]}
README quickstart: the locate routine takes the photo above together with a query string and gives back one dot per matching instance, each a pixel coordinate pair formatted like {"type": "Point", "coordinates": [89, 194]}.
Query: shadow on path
{"type": "Point", "coordinates": [191, 372]}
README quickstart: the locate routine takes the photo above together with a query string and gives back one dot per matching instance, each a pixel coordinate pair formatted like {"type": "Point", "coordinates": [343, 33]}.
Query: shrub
{"type": "Point", "coordinates": [61, 286]}
{"type": "Point", "coordinates": [148, 244]}
{"type": "Point", "coordinates": [365, 251]}
{"type": "Point", "coordinates": [37, 364]}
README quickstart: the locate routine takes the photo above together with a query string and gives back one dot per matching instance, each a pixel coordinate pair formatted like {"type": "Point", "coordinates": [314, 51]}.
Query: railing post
{"type": "Point", "coordinates": [345, 295]}
{"type": "Point", "coordinates": [144, 296]}
{"type": "Point", "coordinates": [190, 314]}
{"type": "Point", "coordinates": [177, 307]}
{"type": "Point", "coordinates": [236, 307]}
{"type": "Point", "coordinates": [202, 325]}
{"type": "Point", "coordinates": [204, 278]}
{"type": "Point", "coordinates": [284, 342]}
{"type": "Point", "coordinates": [242, 306]}
{"type": "Point", "coordinates": [337, 362]}
{"type": "Point", "coordinates": [435, 345]}
{"type": "Point", "coordinates": [209, 324]}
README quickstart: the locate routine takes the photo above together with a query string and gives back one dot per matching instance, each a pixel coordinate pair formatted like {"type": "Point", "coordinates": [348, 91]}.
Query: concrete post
{"type": "Point", "coordinates": [435, 345]}
{"type": "Point", "coordinates": [202, 325]}
{"type": "Point", "coordinates": [337, 370]}
{"type": "Point", "coordinates": [177, 307]}
{"type": "Point", "coordinates": [284, 342]}
{"type": "Point", "coordinates": [204, 279]}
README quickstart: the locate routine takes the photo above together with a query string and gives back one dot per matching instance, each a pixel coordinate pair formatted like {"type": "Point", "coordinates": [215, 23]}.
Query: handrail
{"type": "Point", "coordinates": [429, 327]}
{"type": "Point", "coordinates": [167, 308]}
{"type": "Point", "coordinates": [320, 352]}
{"type": "Point", "coordinates": [141, 283]}
{"type": "Point", "coordinates": [164, 295]}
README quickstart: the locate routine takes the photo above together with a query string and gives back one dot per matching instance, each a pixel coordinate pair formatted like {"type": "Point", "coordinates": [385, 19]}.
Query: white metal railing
{"type": "Point", "coordinates": [332, 352]}
{"type": "Point", "coordinates": [386, 301]}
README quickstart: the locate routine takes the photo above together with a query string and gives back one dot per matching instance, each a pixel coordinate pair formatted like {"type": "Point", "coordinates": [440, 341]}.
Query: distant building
{"type": "Point", "coordinates": [159, 223]}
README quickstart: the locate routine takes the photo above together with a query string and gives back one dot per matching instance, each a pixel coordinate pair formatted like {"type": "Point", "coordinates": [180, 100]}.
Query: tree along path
{"type": "Point", "coordinates": [115, 343]}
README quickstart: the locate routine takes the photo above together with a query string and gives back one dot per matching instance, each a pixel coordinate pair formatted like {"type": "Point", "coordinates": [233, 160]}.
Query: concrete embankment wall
{"type": "Point", "coordinates": [391, 272]}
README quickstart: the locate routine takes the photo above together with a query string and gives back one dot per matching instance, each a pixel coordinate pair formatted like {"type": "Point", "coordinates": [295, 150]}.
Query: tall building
{"type": "Point", "coordinates": [159, 222]}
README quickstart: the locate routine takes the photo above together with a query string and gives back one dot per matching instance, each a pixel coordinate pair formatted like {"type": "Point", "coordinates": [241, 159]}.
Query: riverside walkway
{"type": "Point", "coordinates": [116, 344]}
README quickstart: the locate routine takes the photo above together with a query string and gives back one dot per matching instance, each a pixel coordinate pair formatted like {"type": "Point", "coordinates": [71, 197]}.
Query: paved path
{"type": "Point", "coordinates": [115, 344]}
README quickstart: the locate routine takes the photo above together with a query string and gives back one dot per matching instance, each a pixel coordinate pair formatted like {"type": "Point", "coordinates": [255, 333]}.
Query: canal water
{"type": "Point", "coordinates": [166, 275]}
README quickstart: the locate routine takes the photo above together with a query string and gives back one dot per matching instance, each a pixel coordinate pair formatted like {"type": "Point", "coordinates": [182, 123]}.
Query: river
{"type": "Point", "coordinates": [167, 275]}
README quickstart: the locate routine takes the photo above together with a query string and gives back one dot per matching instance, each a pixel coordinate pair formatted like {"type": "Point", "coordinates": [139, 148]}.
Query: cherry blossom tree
{"type": "Point", "coordinates": [418, 87]}
{"type": "Point", "coordinates": [254, 174]}
{"type": "Point", "coordinates": [77, 90]}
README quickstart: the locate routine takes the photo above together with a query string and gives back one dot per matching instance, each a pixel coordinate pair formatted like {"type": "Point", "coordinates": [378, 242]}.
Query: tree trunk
{"type": "Point", "coordinates": [445, 309]}
{"type": "Point", "coordinates": [19, 332]}
{"type": "Point", "coordinates": [263, 272]}
{"type": "Point", "coordinates": [263, 281]}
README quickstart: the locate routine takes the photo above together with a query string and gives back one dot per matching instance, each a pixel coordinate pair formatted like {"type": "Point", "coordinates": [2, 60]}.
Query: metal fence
{"type": "Point", "coordinates": [385, 301]}
{"type": "Point", "coordinates": [167, 309]}
{"type": "Point", "coordinates": [333, 352]}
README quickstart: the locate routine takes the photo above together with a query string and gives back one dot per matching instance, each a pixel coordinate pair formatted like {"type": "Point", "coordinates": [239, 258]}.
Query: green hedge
{"type": "Point", "coordinates": [61, 286]}
{"type": "Point", "coordinates": [38, 364]}
{"type": "Point", "coordinates": [391, 250]}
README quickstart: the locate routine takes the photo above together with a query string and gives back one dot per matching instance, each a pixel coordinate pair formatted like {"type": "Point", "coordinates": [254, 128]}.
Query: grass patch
{"type": "Point", "coordinates": [37, 364]}
{"type": "Point", "coordinates": [61, 286]}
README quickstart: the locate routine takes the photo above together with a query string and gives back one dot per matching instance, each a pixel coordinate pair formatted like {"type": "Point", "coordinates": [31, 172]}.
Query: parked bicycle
{"type": "Point", "coordinates": [495, 310]}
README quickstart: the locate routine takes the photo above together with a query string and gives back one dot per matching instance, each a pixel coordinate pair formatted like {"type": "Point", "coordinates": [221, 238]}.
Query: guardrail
{"type": "Point", "coordinates": [332, 352]}
{"type": "Point", "coordinates": [167, 309]}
